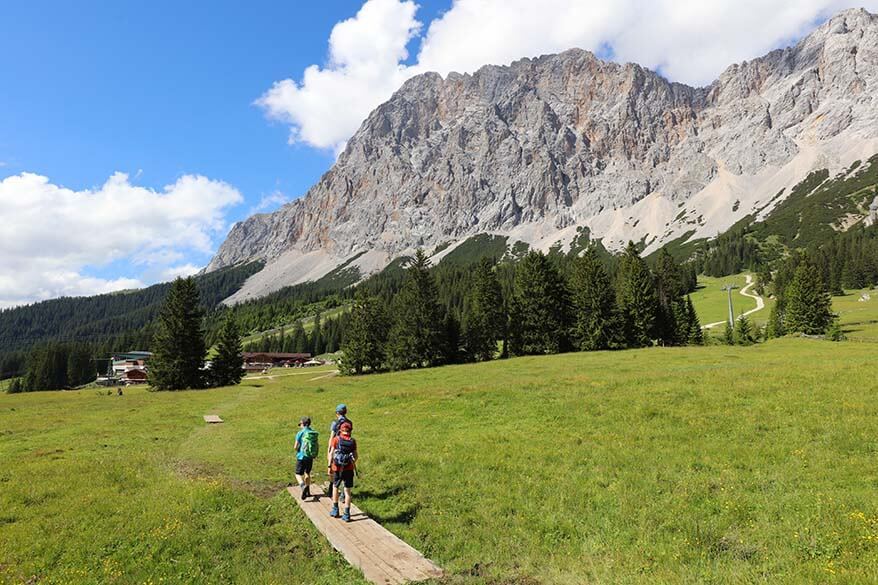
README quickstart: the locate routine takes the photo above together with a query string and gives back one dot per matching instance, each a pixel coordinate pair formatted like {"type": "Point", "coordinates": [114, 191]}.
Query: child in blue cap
{"type": "Point", "coordinates": [341, 412]}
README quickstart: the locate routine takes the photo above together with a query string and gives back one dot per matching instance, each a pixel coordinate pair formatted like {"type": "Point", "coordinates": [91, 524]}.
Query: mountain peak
{"type": "Point", "coordinates": [550, 147]}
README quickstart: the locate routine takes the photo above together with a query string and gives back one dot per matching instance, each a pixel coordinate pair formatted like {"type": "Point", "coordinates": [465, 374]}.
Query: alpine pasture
{"type": "Point", "coordinates": [681, 465]}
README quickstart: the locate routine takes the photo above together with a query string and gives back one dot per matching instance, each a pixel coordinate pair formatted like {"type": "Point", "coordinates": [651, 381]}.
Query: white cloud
{"type": "Point", "coordinates": [50, 234]}
{"type": "Point", "coordinates": [270, 202]}
{"type": "Point", "coordinates": [691, 42]}
{"type": "Point", "coordinates": [182, 270]}
{"type": "Point", "coordinates": [364, 64]}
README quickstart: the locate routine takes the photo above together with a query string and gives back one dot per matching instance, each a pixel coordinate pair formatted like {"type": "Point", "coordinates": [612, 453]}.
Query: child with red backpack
{"type": "Point", "coordinates": [343, 462]}
{"type": "Point", "coordinates": [306, 450]}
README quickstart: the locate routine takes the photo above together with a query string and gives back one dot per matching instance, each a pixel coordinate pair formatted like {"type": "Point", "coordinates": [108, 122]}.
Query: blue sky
{"type": "Point", "coordinates": [158, 90]}
{"type": "Point", "coordinates": [164, 91]}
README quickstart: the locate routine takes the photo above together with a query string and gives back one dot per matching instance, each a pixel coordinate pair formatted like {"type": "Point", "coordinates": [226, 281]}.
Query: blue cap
{"type": "Point", "coordinates": [341, 408]}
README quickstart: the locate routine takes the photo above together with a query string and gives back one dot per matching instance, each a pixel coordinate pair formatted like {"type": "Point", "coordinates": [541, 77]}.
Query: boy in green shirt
{"type": "Point", "coordinates": [306, 449]}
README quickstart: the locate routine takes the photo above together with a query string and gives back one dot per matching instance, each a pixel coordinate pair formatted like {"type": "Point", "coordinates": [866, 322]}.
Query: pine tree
{"type": "Point", "coordinates": [835, 332]}
{"type": "Point", "coordinates": [729, 334]}
{"type": "Point", "coordinates": [696, 333]}
{"type": "Point", "coordinates": [486, 318]}
{"type": "Point", "coordinates": [808, 305]}
{"type": "Point", "coordinates": [365, 343]}
{"type": "Point", "coordinates": [15, 386]}
{"type": "Point", "coordinates": [227, 366]}
{"type": "Point", "coordinates": [80, 368]}
{"type": "Point", "coordinates": [178, 345]}
{"type": "Point", "coordinates": [541, 308]}
{"type": "Point", "coordinates": [300, 338]}
{"type": "Point", "coordinates": [416, 335]}
{"type": "Point", "coordinates": [743, 331]}
{"type": "Point", "coordinates": [317, 345]}
{"type": "Point", "coordinates": [597, 324]}
{"type": "Point", "coordinates": [670, 286]}
{"type": "Point", "coordinates": [451, 339]}
{"type": "Point", "coordinates": [775, 326]}
{"type": "Point", "coordinates": [637, 298]}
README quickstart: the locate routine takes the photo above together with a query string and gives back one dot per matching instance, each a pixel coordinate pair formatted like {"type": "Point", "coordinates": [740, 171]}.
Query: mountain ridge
{"type": "Point", "coordinates": [544, 147]}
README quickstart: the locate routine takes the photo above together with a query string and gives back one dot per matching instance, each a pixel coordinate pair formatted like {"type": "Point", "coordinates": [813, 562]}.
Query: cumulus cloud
{"type": "Point", "coordinates": [687, 42]}
{"type": "Point", "coordinates": [52, 234]}
{"type": "Point", "coordinates": [270, 202]}
{"type": "Point", "coordinates": [364, 63]}
{"type": "Point", "coordinates": [182, 270]}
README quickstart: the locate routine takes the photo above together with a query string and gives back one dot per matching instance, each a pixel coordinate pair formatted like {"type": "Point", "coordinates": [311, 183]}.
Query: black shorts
{"type": "Point", "coordinates": [304, 466]}
{"type": "Point", "coordinates": [345, 478]}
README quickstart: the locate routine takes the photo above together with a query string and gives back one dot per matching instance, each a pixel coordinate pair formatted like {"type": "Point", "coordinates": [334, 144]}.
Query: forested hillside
{"type": "Point", "coordinates": [110, 322]}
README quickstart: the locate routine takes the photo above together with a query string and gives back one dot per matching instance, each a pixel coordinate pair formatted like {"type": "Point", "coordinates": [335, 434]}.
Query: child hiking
{"type": "Point", "coordinates": [306, 450]}
{"type": "Point", "coordinates": [342, 461]}
{"type": "Point", "coordinates": [341, 412]}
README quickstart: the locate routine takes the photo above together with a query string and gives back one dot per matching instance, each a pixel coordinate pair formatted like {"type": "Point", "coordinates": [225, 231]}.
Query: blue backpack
{"type": "Point", "coordinates": [344, 452]}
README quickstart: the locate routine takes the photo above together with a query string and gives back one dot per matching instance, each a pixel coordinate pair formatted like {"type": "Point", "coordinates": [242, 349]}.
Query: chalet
{"type": "Point", "coordinates": [255, 361]}
{"type": "Point", "coordinates": [130, 367]}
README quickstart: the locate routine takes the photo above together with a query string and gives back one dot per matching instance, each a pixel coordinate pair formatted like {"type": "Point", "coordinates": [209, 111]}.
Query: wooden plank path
{"type": "Point", "coordinates": [212, 418]}
{"type": "Point", "coordinates": [384, 558]}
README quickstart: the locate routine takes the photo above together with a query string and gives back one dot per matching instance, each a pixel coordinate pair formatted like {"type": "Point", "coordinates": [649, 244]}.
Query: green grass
{"type": "Point", "coordinates": [307, 325]}
{"type": "Point", "coordinates": [712, 304]}
{"type": "Point", "coordinates": [687, 465]}
{"type": "Point", "coordinates": [859, 319]}
{"type": "Point", "coordinates": [475, 248]}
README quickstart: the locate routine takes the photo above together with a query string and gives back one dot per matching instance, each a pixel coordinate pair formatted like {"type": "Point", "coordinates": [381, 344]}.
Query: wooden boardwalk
{"type": "Point", "coordinates": [212, 418]}
{"type": "Point", "coordinates": [383, 557]}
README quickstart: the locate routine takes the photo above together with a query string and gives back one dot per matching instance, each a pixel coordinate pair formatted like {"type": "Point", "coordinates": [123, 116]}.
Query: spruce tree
{"type": "Point", "coordinates": [178, 345]}
{"type": "Point", "coordinates": [80, 367]}
{"type": "Point", "coordinates": [696, 333]}
{"type": "Point", "coordinates": [317, 345]}
{"type": "Point", "coordinates": [451, 339]}
{"type": "Point", "coordinates": [775, 326]}
{"type": "Point", "coordinates": [15, 386]}
{"type": "Point", "coordinates": [729, 334]}
{"type": "Point", "coordinates": [541, 308]}
{"type": "Point", "coordinates": [486, 318]}
{"type": "Point", "coordinates": [365, 342]}
{"type": "Point", "coordinates": [596, 320]}
{"type": "Point", "coordinates": [417, 334]}
{"type": "Point", "coordinates": [227, 366]}
{"type": "Point", "coordinates": [637, 298]}
{"type": "Point", "coordinates": [743, 331]}
{"type": "Point", "coordinates": [300, 338]}
{"type": "Point", "coordinates": [670, 285]}
{"type": "Point", "coordinates": [808, 305]}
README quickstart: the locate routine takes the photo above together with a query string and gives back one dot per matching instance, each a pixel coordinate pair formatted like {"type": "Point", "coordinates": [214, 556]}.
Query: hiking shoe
{"type": "Point", "coordinates": [334, 512]}
{"type": "Point", "coordinates": [306, 491]}
{"type": "Point", "coordinates": [347, 515]}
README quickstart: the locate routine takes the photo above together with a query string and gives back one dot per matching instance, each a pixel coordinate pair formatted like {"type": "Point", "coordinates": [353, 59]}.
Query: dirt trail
{"type": "Point", "coordinates": [745, 291]}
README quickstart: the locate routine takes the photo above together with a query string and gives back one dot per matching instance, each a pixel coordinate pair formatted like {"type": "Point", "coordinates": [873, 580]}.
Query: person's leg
{"type": "Point", "coordinates": [306, 477]}
{"type": "Point", "coordinates": [335, 489]}
{"type": "Point", "coordinates": [300, 472]}
{"type": "Point", "coordinates": [348, 485]}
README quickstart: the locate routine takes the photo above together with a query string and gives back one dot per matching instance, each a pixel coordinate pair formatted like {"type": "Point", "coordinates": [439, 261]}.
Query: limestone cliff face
{"type": "Point", "coordinates": [538, 147]}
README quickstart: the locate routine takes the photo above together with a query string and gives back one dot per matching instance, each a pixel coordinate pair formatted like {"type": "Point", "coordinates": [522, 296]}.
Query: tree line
{"type": "Point", "coordinates": [554, 304]}
{"type": "Point", "coordinates": [325, 337]}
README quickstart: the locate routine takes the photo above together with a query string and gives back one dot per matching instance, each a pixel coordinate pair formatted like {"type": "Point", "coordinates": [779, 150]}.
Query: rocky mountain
{"type": "Point", "coordinates": [548, 149]}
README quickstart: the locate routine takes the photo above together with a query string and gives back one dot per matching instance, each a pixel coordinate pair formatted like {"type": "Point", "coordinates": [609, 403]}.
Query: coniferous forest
{"type": "Point", "coordinates": [413, 314]}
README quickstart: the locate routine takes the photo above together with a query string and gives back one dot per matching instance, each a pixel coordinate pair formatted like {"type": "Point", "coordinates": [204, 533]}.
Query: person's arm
{"type": "Point", "coordinates": [329, 455]}
{"type": "Point", "coordinates": [298, 445]}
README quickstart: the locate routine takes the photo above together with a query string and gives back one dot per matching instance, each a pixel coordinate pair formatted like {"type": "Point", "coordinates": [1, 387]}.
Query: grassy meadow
{"type": "Point", "coordinates": [680, 465]}
{"type": "Point", "coordinates": [712, 303]}
{"type": "Point", "coordinates": [858, 319]}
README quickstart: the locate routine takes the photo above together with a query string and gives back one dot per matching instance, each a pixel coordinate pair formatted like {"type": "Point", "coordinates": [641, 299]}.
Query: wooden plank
{"type": "Point", "coordinates": [384, 558]}
{"type": "Point", "coordinates": [212, 418]}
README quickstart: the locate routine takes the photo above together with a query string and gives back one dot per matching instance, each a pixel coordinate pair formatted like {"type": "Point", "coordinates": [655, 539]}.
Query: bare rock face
{"type": "Point", "coordinates": [566, 140]}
